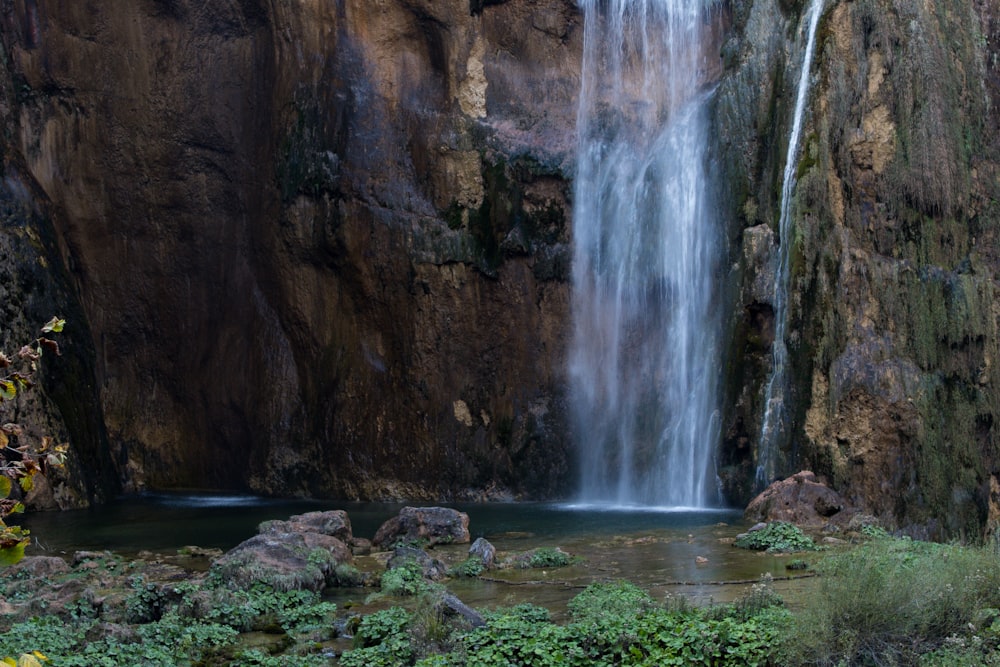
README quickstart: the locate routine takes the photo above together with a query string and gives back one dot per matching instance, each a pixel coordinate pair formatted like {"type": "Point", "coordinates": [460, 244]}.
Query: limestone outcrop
{"type": "Point", "coordinates": [300, 553]}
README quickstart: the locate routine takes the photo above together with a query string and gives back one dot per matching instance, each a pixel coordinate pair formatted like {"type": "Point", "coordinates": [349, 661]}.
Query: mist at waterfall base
{"type": "Point", "coordinates": [644, 362]}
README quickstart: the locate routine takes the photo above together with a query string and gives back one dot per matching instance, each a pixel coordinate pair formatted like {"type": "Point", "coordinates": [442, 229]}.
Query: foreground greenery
{"type": "Point", "coordinates": [888, 601]}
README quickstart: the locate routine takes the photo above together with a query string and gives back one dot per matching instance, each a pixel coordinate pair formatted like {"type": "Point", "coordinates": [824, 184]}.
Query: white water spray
{"type": "Point", "coordinates": [775, 424]}
{"type": "Point", "coordinates": [644, 364]}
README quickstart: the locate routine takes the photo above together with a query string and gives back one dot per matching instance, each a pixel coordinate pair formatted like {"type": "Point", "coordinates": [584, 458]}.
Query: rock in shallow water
{"type": "Point", "coordinates": [300, 553]}
{"type": "Point", "coordinates": [424, 525]}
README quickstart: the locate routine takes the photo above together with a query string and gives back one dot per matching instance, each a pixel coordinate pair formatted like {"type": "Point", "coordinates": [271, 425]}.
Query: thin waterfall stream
{"type": "Point", "coordinates": [644, 363]}
{"type": "Point", "coordinates": [775, 423]}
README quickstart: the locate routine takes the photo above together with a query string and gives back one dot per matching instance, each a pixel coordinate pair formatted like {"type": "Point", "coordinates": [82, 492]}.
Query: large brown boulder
{"type": "Point", "coordinates": [300, 553]}
{"type": "Point", "coordinates": [800, 499]}
{"type": "Point", "coordinates": [424, 525]}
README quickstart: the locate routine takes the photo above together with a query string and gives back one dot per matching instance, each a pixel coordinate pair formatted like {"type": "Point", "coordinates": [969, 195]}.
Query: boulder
{"type": "Point", "coordinates": [430, 567]}
{"type": "Point", "coordinates": [449, 604]}
{"type": "Point", "coordinates": [484, 551]}
{"type": "Point", "coordinates": [36, 567]}
{"type": "Point", "coordinates": [424, 525]}
{"type": "Point", "coordinates": [300, 553]}
{"type": "Point", "coordinates": [334, 523]}
{"type": "Point", "coordinates": [800, 499]}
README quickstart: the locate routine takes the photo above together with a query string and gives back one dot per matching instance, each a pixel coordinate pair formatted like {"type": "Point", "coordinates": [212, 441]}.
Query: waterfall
{"type": "Point", "coordinates": [774, 428]}
{"type": "Point", "coordinates": [644, 363]}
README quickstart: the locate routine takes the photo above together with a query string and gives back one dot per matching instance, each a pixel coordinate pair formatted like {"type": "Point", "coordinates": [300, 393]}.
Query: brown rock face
{"type": "Point", "coordinates": [321, 248]}
{"type": "Point", "coordinates": [892, 307]}
{"type": "Point", "coordinates": [304, 232]}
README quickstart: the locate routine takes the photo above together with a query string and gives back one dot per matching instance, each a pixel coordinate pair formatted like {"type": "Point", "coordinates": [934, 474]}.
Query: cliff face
{"type": "Point", "coordinates": [322, 247]}
{"type": "Point", "coordinates": [893, 308]}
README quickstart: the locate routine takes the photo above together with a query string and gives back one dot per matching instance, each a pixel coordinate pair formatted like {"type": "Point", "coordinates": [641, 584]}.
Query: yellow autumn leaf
{"type": "Point", "coordinates": [28, 660]}
{"type": "Point", "coordinates": [27, 483]}
{"type": "Point", "coordinates": [8, 390]}
{"type": "Point", "coordinates": [11, 555]}
{"type": "Point", "coordinates": [55, 325]}
{"type": "Point", "coordinates": [9, 661]}
{"type": "Point", "coordinates": [5, 486]}
{"type": "Point", "coordinates": [3, 440]}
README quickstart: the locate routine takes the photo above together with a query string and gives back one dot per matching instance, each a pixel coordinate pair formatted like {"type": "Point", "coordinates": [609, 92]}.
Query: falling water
{"type": "Point", "coordinates": [775, 424]}
{"type": "Point", "coordinates": [644, 363]}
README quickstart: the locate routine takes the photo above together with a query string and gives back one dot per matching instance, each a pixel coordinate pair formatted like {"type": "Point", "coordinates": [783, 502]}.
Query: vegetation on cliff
{"type": "Point", "coordinates": [21, 456]}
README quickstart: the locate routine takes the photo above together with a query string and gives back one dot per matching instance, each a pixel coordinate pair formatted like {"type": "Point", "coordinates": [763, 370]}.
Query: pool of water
{"type": "Point", "coordinates": [665, 550]}
{"type": "Point", "coordinates": [167, 521]}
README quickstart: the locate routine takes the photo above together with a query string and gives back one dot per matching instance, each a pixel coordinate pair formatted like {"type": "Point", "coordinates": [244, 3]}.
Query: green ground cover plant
{"type": "Point", "coordinates": [777, 537]}
{"type": "Point", "coordinates": [887, 601]}
{"type": "Point", "coordinates": [612, 623]}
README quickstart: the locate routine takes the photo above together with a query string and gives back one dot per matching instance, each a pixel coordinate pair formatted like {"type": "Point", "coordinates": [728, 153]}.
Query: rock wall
{"type": "Point", "coordinates": [321, 246]}
{"type": "Point", "coordinates": [893, 316]}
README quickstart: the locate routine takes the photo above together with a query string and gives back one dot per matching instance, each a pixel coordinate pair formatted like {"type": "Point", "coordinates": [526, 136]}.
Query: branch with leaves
{"type": "Point", "coordinates": [21, 458]}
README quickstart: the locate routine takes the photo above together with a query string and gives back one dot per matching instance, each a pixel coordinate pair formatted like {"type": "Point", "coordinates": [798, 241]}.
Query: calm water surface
{"type": "Point", "coordinates": [668, 551]}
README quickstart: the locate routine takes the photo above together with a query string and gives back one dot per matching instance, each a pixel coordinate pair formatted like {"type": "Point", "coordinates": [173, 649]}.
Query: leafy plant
{"type": "Point", "coordinates": [777, 537]}
{"type": "Point", "coordinates": [546, 557]}
{"type": "Point", "coordinates": [610, 598]}
{"type": "Point", "coordinates": [406, 579]}
{"type": "Point", "coordinates": [470, 567]}
{"type": "Point", "coordinates": [381, 641]}
{"type": "Point", "coordinates": [20, 457]}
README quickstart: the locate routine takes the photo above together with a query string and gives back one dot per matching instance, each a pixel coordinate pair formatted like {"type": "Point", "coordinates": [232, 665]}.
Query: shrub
{"type": "Point", "coordinates": [21, 457]}
{"type": "Point", "coordinates": [890, 601]}
{"type": "Point", "coordinates": [616, 598]}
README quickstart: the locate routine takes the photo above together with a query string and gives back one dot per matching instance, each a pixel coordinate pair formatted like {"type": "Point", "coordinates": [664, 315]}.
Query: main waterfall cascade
{"type": "Point", "coordinates": [774, 428]}
{"type": "Point", "coordinates": [645, 361]}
